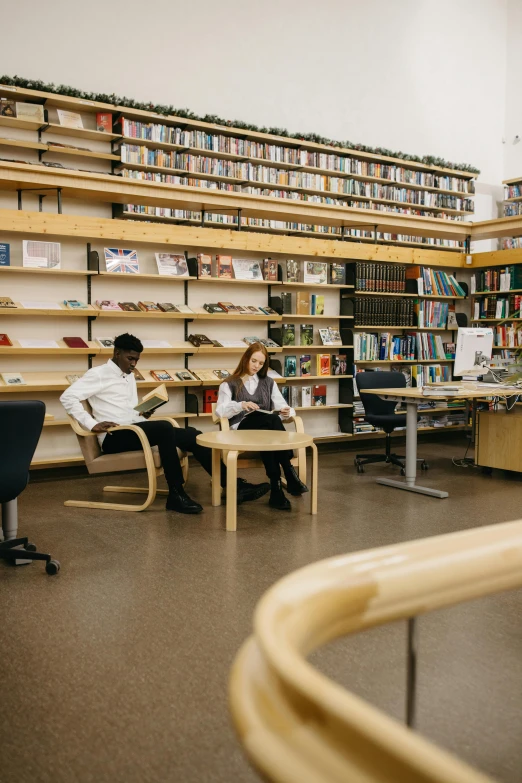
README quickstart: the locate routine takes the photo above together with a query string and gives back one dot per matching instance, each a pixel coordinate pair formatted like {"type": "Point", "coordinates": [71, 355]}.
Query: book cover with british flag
{"type": "Point", "coordinates": [122, 261]}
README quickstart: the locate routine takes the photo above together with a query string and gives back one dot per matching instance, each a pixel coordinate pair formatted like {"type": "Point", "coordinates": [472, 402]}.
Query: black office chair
{"type": "Point", "coordinates": [381, 413]}
{"type": "Point", "coordinates": [21, 424]}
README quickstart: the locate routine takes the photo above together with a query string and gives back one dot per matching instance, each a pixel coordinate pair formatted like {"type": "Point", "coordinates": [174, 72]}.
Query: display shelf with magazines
{"type": "Point", "coordinates": [60, 350]}
{"type": "Point", "coordinates": [52, 272]}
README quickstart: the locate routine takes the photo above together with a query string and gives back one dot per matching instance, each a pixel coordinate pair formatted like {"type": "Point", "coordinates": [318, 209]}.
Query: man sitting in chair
{"type": "Point", "coordinates": [111, 392]}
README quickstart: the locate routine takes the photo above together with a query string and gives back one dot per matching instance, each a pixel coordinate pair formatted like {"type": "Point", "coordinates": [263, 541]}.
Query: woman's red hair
{"type": "Point", "coordinates": [242, 367]}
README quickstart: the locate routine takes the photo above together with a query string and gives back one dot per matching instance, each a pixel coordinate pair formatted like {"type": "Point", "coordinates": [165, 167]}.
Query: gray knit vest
{"type": "Point", "coordinates": [262, 396]}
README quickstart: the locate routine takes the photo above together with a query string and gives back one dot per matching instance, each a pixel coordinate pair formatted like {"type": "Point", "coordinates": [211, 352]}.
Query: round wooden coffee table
{"type": "Point", "coordinates": [230, 444]}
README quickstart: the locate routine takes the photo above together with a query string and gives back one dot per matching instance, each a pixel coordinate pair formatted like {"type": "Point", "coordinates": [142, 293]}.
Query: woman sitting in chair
{"type": "Point", "coordinates": [252, 401]}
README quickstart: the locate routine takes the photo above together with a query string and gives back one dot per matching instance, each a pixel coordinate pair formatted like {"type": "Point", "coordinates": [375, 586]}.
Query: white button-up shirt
{"type": "Point", "coordinates": [226, 407]}
{"type": "Point", "coordinates": [111, 394]}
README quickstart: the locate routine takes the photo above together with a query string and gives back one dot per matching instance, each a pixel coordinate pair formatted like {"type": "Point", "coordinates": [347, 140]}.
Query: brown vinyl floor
{"type": "Point", "coordinates": [116, 669]}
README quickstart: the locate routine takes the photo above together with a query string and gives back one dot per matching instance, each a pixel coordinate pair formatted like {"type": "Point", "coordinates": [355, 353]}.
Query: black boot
{"type": "Point", "coordinates": [278, 498]}
{"type": "Point", "coordinates": [246, 491]}
{"type": "Point", "coordinates": [179, 501]}
{"type": "Point", "coordinates": [293, 483]}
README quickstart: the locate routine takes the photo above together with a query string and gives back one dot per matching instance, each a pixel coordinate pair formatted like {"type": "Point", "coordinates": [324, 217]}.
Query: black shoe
{"type": "Point", "coordinates": [278, 499]}
{"type": "Point", "coordinates": [246, 491]}
{"type": "Point", "coordinates": [179, 501]}
{"type": "Point", "coordinates": [294, 484]}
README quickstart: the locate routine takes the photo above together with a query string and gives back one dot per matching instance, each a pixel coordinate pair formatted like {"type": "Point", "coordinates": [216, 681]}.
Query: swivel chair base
{"type": "Point", "coordinates": [394, 459]}
{"type": "Point", "coordinates": [9, 551]}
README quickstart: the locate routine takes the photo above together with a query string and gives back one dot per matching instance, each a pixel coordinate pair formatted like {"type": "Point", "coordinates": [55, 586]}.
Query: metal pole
{"type": "Point", "coordinates": [19, 199]}
{"type": "Point", "coordinates": [10, 519]}
{"type": "Point", "coordinates": [411, 673]}
{"type": "Point", "coordinates": [59, 198]}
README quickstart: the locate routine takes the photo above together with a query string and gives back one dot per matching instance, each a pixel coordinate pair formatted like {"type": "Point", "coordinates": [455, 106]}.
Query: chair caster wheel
{"type": "Point", "coordinates": [403, 472]}
{"type": "Point", "coordinates": [30, 547]}
{"type": "Point", "coordinates": [424, 466]}
{"type": "Point", "coordinates": [360, 468]}
{"type": "Point", "coordinates": [52, 567]}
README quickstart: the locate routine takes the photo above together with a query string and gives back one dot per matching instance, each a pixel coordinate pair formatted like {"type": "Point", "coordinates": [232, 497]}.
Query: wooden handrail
{"type": "Point", "coordinates": [298, 726]}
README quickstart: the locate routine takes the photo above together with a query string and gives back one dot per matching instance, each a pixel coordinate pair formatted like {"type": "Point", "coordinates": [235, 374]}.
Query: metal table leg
{"type": "Point", "coordinates": [10, 519]}
{"type": "Point", "coordinates": [411, 459]}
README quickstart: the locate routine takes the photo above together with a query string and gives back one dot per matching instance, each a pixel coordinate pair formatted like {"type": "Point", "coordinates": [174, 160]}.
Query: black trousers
{"type": "Point", "coordinates": [272, 460]}
{"type": "Point", "coordinates": [167, 438]}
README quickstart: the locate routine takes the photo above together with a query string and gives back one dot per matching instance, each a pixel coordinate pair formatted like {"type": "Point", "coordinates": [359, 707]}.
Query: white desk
{"type": "Point", "coordinates": [411, 397]}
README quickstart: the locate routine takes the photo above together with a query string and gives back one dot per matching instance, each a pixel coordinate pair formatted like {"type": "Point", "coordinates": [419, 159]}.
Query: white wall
{"type": "Point", "coordinates": [513, 116]}
{"type": "Point", "coordinates": [419, 76]}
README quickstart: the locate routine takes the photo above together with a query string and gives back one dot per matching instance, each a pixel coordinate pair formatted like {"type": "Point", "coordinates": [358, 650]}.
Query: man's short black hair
{"type": "Point", "coordinates": [127, 342]}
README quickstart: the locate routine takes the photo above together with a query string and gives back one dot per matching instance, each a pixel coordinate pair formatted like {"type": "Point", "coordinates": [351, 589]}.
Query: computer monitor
{"type": "Point", "coordinates": [473, 352]}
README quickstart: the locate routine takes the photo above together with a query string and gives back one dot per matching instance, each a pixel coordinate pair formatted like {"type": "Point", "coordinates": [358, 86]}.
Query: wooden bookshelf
{"type": "Point", "coordinates": [230, 317]}
{"type": "Point", "coordinates": [322, 348]}
{"type": "Point", "coordinates": [299, 317]}
{"type": "Point", "coordinates": [28, 145]}
{"type": "Point", "coordinates": [61, 313]}
{"type": "Point", "coordinates": [26, 270]}
{"type": "Point", "coordinates": [494, 320]}
{"type": "Point", "coordinates": [315, 287]}
{"type": "Point", "coordinates": [234, 280]}
{"type": "Point", "coordinates": [14, 122]}
{"type": "Point", "coordinates": [140, 276]}
{"type": "Point", "coordinates": [82, 133]}
{"type": "Point", "coordinates": [327, 407]}
{"type": "Point", "coordinates": [56, 148]}
{"type": "Point", "coordinates": [489, 293]}
{"type": "Point", "coordinates": [62, 350]}
{"type": "Point", "coordinates": [401, 328]}
{"type": "Point", "coordinates": [209, 350]}
{"type": "Point", "coordinates": [403, 361]}
{"type": "Point", "coordinates": [141, 314]}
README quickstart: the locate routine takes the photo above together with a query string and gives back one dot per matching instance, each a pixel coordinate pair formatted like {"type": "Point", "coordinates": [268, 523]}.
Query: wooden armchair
{"type": "Point", "coordinates": [148, 459]}
{"type": "Point", "coordinates": [298, 461]}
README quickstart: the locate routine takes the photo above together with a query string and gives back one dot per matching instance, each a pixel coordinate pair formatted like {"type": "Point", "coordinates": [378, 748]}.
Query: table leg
{"type": "Point", "coordinates": [10, 519]}
{"type": "Point", "coordinates": [313, 493]}
{"type": "Point", "coordinates": [216, 477]}
{"type": "Point", "coordinates": [232, 491]}
{"type": "Point", "coordinates": [411, 459]}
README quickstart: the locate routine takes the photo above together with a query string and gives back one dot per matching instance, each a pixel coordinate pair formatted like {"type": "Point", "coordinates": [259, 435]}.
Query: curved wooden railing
{"type": "Point", "coordinates": [296, 725]}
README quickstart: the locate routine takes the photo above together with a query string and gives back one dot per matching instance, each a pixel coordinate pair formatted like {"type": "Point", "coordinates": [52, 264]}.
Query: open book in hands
{"type": "Point", "coordinates": [154, 399]}
{"type": "Point", "coordinates": [260, 410]}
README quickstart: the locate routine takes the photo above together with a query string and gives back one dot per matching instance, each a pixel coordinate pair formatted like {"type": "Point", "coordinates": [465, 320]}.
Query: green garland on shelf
{"type": "Point", "coordinates": [129, 103]}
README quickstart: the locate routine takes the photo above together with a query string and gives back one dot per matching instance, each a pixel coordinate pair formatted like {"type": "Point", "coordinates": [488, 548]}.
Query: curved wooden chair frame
{"type": "Point", "coordinates": [297, 725]}
{"type": "Point", "coordinates": [152, 471]}
{"type": "Point", "coordinates": [298, 461]}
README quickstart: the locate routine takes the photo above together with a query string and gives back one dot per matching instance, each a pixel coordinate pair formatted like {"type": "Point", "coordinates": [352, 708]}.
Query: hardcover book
{"type": "Point", "coordinates": [7, 108]}
{"type": "Point", "coordinates": [5, 256]}
{"type": "Point", "coordinates": [107, 304]}
{"type": "Point", "coordinates": [204, 265]}
{"type": "Point", "coordinates": [41, 255]}
{"type": "Point", "coordinates": [210, 396]}
{"type": "Point", "coordinates": [213, 308]}
{"type": "Point", "coordinates": [204, 375]}
{"type": "Point", "coordinates": [153, 400]}
{"type": "Point", "coordinates": [120, 261]}
{"type": "Point", "coordinates": [6, 301]}
{"type": "Point", "coordinates": [221, 374]}
{"type": "Point", "coordinates": [104, 121]}
{"type": "Point", "coordinates": [270, 269]}
{"type": "Point", "coordinates": [137, 374]}
{"type": "Point", "coordinates": [323, 364]}
{"type": "Point", "coordinates": [161, 375]}
{"type": "Point", "coordinates": [148, 307]}
{"type": "Point", "coordinates": [268, 311]}
{"type": "Point", "coordinates": [224, 266]}
{"type": "Point", "coordinates": [319, 395]}
{"type": "Point", "coordinates": [307, 334]}
{"type": "Point", "coordinates": [33, 112]}
{"type": "Point", "coordinates": [306, 396]}
{"type": "Point", "coordinates": [4, 340]}
{"type": "Point", "coordinates": [167, 307]}
{"type": "Point", "coordinates": [338, 274]}
{"type": "Point", "coordinates": [199, 339]}
{"type": "Point", "coordinates": [295, 396]}
{"type": "Point", "coordinates": [292, 271]}
{"type": "Point", "coordinates": [303, 303]}
{"type": "Point", "coordinates": [185, 375]}
{"type": "Point", "coordinates": [326, 337]}
{"type": "Point", "coordinates": [335, 336]}
{"type": "Point", "coordinates": [172, 265]}
{"type": "Point", "coordinates": [288, 333]}
{"type": "Point", "coordinates": [75, 304]}
{"type": "Point", "coordinates": [305, 364]}
{"type": "Point", "coordinates": [316, 272]}
{"type": "Point", "coordinates": [129, 307]}
{"type": "Point", "coordinates": [285, 391]}
{"type": "Point", "coordinates": [253, 310]}
{"type": "Point", "coordinates": [290, 370]}
{"type": "Point", "coordinates": [287, 301]}
{"type": "Point", "coordinates": [105, 342]}
{"type": "Point", "coordinates": [246, 270]}
{"type": "Point", "coordinates": [228, 307]}
{"type": "Point", "coordinates": [75, 342]}
{"type": "Point", "coordinates": [268, 343]}
{"type": "Point", "coordinates": [70, 119]}
{"type": "Point", "coordinates": [318, 304]}
{"type": "Point", "coordinates": [338, 364]}
{"type": "Point", "coordinates": [251, 340]}
{"type": "Point", "coordinates": [183, 308]}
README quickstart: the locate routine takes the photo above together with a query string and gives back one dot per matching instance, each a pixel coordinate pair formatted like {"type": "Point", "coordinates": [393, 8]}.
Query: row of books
{"type": "Point", "coordinates": [511, 210]}
{"type": "Point", "coordinates": [508, 335]}
{"type": "Point", "coordinates": [328, 336]}
{"type": "Point", "coordinates": [511, 243]}
{"type": "Point", "coordinates": [325, 364]}
{"type": "Point", "coordinates": [230, 145]}
{"type": "Point", "coordinates": [431, 314]}
{"type": "Point", "coordinates": [259, 223]}
{"type": "Point", "coordinates": [512, 191]}
{"type": "Point", "coordinates": [294, 195]}
{"type": "Point", "coordinates": [302, 303]}
{"type": "Point", "coordinates": [258, 173]}
{"type": "Point", "coordinates": [304, 396]}
{"type": "Point", "coordinates": [377, 311]}
{"type": "Point", "coordinates": [389, 278]}
{"type": "Point", "coordinates": [498, 279]}
{"type": "Point", "coordinates": [497, 307]}
{"type": "Point", "coordinates": [384, 346]}
{"type": "Point", "coordinates": [313, 272]}
{"type": "Point", "coordinates": [434, 282]}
